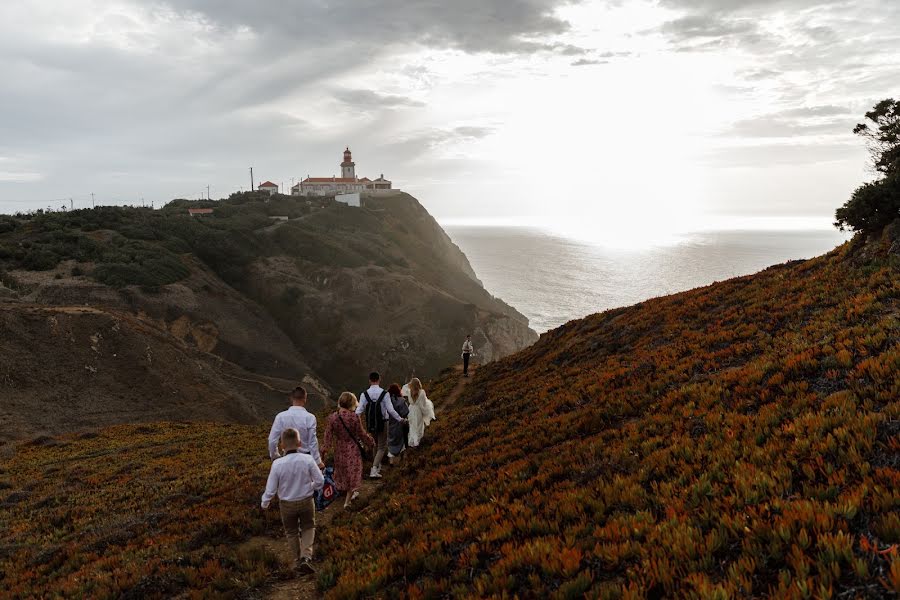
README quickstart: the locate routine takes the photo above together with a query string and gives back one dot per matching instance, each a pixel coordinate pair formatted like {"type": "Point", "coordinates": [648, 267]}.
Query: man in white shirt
{"type": "Point", "coordinates": [294, 478]}
{"type": "Point", "coordinates": [375, 393]}
{"type": "Point", "coordinates": [467, 350]}
{"type": "Point", "coordinates": [296, 417]}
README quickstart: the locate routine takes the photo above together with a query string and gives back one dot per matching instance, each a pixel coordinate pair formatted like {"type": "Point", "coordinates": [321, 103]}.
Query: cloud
{"type": "Point", "coordinates": [766, 155]}
{"type": "Point", "coordinates": [173, 93]}
{"type": "Point", "coordinates": [726, 6]}
{"type": "Point", "coordinates": [161, 97]}
{"type": "Point", "coordinates": [569, 49]}
{"type": "Point", "coordinates": [707, 26]}
{"type": "Point", "coordinates": [418, 143]}
{"type": "Point", "coordinates": [369, 99]}
{"type": "Point", "coordinates": [815, 111]}
{"type": "Point", "coordinates": [802, 121]}
{"type": "Point", "coordinates": [771, 127]}
{"type": "Point", "coordinates": [473, 131]}
{"type": "Point", "coordinates": [583, 62]}
{"type": "Point", "coordinates": [501, 26]}
{"type": "Point", "coordinates": [20, 176]}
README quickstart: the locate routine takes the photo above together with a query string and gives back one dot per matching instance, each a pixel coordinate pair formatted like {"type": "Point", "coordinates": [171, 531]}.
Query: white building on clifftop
{"type": "Point", "coordinates": [347, 183]}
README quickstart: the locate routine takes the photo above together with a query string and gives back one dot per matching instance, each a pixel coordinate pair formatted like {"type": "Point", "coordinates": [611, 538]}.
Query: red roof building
{"type": "Point", "coordinates": [347, 183]}
{"type": "Point", "coordinates": [194, 212]}
{"type": "Point", "coordinates": [268, 186]}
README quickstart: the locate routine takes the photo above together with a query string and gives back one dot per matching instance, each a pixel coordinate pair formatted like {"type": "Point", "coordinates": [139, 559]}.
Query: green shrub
{"type": "Point", "coordinates": [7, 224]}
{"type": "Point", "coordinates": [153, 272]}
{"type": "Point", "coordinates": [875, 204]}
{"type": "Point", "coordinates": [39, 259]}
{"type": "Point", "coordinates": [872, 206]}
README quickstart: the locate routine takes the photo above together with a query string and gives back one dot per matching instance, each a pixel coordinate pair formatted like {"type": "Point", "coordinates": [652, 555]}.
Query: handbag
{"type": "Point", "coordinates": [362, 447]}
{"type": "Point", "coordinates": [328, 493]}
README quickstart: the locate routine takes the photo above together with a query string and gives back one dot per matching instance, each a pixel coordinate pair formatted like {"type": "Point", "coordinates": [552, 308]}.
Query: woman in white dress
{"type": "Point", "coordinates": [421, 412]}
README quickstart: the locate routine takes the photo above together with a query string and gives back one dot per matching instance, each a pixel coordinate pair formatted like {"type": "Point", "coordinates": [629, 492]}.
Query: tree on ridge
{"type": "Point", "coordinates": [875, 204]}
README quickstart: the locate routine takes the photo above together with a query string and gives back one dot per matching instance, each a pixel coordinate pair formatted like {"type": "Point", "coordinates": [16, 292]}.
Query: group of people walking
{"type": "Point", "coordinates": [386, 421]}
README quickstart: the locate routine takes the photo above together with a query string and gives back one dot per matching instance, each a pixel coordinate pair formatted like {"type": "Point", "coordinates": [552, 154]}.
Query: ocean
{"type": "Point", "coordinates": [552, 279]}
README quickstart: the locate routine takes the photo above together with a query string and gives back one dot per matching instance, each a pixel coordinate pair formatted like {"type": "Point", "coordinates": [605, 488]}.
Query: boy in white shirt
{"type": "Point", "coordinates": [295, 477]}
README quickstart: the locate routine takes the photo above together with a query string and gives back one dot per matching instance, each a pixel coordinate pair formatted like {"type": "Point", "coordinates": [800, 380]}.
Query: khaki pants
{"type": "Point", "coordinates": [299, 516]}
{"type": "Point", "coordinates": [382, 443]}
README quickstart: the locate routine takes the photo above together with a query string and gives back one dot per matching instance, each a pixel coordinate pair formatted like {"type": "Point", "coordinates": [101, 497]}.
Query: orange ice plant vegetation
{"type": "Point", "coordinates": [145, 511]}
{"type": "Point", "coordinates": [738, 440]}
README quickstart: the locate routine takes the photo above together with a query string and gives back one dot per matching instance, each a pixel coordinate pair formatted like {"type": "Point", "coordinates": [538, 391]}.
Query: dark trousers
{"type": "Point", "coordinates": [466, 357]}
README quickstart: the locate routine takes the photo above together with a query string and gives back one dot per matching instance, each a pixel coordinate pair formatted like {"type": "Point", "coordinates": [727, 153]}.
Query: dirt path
{"type": "Point", "coordinates": [304, 588]}
{"type": "Point", "coordinates": [451, 400]}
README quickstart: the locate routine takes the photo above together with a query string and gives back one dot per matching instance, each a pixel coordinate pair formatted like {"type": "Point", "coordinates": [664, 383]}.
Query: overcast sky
{"type": "Point", "coordinates": [531, 109]}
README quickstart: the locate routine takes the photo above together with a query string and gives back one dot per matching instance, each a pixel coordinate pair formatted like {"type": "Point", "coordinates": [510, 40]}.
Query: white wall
{"type": "Point", "coordinates": [348, 199]}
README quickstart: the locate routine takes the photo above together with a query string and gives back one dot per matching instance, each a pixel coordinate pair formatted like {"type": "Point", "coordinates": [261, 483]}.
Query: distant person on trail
{"type": "Point", "coordinates": [467, 350]}
{"type": "Point", "coordinates": [421, 412]}
{"type": "Point", "coordinates": [346, 434]}
{"type": "Point", "coordinates": [294, 478]}
{"type": "Point", "coordinates": [375, 411]}
{"type": "Point", "coordinates": [397, 429]}
{"type": "Point", "coordinates": [300, 419]}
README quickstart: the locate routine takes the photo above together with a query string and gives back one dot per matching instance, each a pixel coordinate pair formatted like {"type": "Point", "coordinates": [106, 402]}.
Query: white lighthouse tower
{"type": "Point", "coordinates": [348, 167]}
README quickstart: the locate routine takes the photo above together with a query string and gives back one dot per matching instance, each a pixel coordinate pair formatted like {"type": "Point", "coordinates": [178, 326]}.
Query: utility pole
{"type": "Point", "coordinates": [251, 179]}
{"type": "Point", "coordinates": [71, 204]}
{"type": "Point", "coordinates": [207, 192]}
{"type": "Point", "coordinates": [92, 199]}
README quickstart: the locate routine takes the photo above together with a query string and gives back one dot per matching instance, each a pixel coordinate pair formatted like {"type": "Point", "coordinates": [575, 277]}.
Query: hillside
{"type": "Point", "coordinates": [75, 367]}
{"type": "Point", "coordinates": [738, 440]}
{"type": "Point", "coordinates": [321, 298]}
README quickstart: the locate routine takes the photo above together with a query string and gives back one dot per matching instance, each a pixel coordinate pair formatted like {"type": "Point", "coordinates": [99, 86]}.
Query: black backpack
{"type": "Point", "coordinates": [374, 417]}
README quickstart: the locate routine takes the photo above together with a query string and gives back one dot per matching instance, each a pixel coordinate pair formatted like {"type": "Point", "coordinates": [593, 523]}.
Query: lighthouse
{"type": "Point", "coordinates": [348, 167]}
{"type": "Point", "coordinates": [347, 183]}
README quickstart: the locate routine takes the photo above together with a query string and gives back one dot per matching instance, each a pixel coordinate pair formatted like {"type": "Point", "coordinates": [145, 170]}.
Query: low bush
{"type": "Point", "coordinates": [151, 272]}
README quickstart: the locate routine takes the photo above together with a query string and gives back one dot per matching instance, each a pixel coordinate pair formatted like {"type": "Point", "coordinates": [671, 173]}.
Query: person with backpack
{"type": "Point", "coordinates": [346, 435]}
{"type": "Point", "coordinates": [375, 412]}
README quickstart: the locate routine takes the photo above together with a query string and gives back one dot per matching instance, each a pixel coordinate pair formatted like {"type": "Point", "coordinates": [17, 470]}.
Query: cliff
{"type": "Point", "coordinates": [321, 298]}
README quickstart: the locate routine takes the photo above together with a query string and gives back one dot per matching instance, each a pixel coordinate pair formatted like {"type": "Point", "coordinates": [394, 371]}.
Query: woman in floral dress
{"type": "Point", "coordinates": [345, 434]}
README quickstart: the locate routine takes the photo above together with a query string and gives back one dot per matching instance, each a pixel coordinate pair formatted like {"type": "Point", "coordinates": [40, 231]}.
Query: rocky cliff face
{"type": "Point", "coordinates": [322, 298]}
{"type": "Point", "coordinates": [388, 291]}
